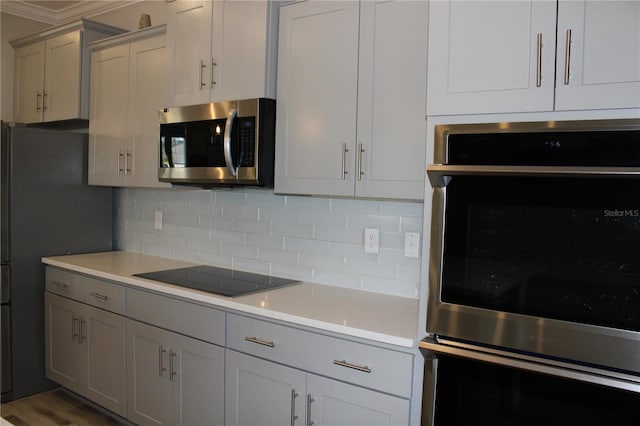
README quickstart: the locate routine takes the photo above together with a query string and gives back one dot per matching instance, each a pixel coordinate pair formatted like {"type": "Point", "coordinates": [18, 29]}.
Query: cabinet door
{"type": "Point", "coordinates": [484, 56]}
{"type": "Point", "coordinates": [109, 118]}
{"type": "Point", "coordinates": [392, 80]}
{"type": "Point", "coordinates": [62, 341]}
{"type": "Point", "coordinates": [29, 83]}
{"type": "Point", "coordinates": [242, 37]}
{"type": "Point", "coordinates": [598, 55]}
{"type": "Point", "coordinates": [104, 339]}
{"type": "Point", "coordinates": [262, 393]}
{"type": "Point", "coordinates": [197, 375]}
{"type": "Point", "coordinates": [148, 385]}
{"type": "Point", "coordinates": [317, 94]}
{"type": "Point", "coordinates": [62, 77]}
{"type": "Point", "coordinates": [340, 404]}
{"type": "Point", "coordinates": [189, 47]}
{"type": "Point", "coordinates": [148, 77]}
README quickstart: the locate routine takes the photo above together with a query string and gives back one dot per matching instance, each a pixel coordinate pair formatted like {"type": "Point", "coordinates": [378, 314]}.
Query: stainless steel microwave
{"type": "Point", "coordinates": [225, 143]}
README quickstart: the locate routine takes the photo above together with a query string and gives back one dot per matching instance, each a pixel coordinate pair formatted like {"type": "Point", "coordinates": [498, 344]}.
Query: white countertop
{"type": "Point", "coordinates": [374, 316]}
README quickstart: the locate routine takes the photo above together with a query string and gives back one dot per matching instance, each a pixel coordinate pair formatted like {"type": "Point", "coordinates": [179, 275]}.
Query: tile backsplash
{"type": "Point", "coordinates": [306, 238]}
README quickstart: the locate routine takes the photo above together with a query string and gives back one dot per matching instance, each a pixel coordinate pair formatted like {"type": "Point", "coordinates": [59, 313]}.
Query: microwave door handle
{"type": "Point", "coordinates": [167, 150]}
{"type": "Point", "coordinates": [227, 142]}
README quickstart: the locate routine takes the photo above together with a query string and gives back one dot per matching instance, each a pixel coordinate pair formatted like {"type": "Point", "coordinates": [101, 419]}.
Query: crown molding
{"type": "Point", "coordinates": [84, 9]}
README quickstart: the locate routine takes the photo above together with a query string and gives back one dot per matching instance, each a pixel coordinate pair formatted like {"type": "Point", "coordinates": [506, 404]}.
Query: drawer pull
{"type": "Point", "coordinates": [260, 342]}
{"type": "Point", "coordinates": [59, 284]}
{"type": "Point", "coordinates": [344, 363]}
{"type": "Point", "coordinates": [99, 296]}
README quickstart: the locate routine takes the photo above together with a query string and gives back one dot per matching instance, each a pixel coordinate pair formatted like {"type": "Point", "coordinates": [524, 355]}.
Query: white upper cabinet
{"type": "Point", "coordinates": [317, 98]}
{"type": "Point", "coordinates": [221, 50]}
{"type": "Point", "coordinates": [491, 57]}
{"type": "Point", "coordinates": [351, 99]}
{"type": "Point", "coordinates": [598, 64]}
{"type": "Point", "coordinates": [495, 57]}
{"type": "Point", "coordinates": [128, 82]}
{"type": "Point", "coordinates": [52, 72]}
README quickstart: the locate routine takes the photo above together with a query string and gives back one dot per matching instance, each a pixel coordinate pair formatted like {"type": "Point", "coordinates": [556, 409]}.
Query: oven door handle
{"type": "Point", "coordinates": [441, 174]}
{"type": "Point", "coordinates": [227, 143]}
{"type": "Point", "coordinates": [538, 365]}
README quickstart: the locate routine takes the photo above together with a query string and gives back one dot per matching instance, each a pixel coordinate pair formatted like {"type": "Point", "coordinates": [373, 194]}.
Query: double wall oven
{"type": "Point", "coordinates": [534, 274]}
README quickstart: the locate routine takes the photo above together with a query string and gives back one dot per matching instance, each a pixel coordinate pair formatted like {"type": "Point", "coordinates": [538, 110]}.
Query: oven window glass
{"type": "Point", "coordinates": [560, 248]}
{"type": "Point", "coordinates": [475, 393]}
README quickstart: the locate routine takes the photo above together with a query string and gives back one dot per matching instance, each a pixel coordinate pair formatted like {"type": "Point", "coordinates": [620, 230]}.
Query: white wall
{"type": "Point", "coordinates": [307, 238]}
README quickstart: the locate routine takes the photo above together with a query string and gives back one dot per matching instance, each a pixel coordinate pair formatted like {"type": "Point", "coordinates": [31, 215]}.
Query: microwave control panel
{"type": "Point", "coordinates": [247, 129]}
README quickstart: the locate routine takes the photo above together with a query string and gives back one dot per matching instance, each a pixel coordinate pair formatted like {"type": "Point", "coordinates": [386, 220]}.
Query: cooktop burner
{"type": "Point", "coordinates": [211, 279]}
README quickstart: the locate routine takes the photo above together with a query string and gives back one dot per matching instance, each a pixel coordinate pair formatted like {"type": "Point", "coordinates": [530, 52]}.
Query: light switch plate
{"type": "Point", "coordinates": [412, 244]}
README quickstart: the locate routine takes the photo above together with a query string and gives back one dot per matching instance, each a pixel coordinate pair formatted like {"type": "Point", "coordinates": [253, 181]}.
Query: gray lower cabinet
{"type": "Point", "coordinates": [85, 350]}
{"type": "Point", "coordinates": [330, 402]}
{"type": "Point", "coordinates": [263, 393]}
{"type": "Point", "coordinates": [281, 375]}
{"type": "Point", "coordinates": [260, 392]}
{"type": "Point", "coordinates": [173, 379]}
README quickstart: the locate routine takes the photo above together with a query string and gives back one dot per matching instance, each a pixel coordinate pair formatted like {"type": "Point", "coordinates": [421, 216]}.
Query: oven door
{"type": "Point", "coordinates": [466, 385]}
{"type": "Point", "coordinates": [538, 260]}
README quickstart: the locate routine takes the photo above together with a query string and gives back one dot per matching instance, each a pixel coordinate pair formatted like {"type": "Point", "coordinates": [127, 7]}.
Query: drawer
{"type": "Point", "coordinates": [190, 319]}
{"type": "Point", "coordinates": [92, 291]}
{"type": "Point", "coordinates": [267, 340]}
{"type": "Point", "coordinates": [361, 364]}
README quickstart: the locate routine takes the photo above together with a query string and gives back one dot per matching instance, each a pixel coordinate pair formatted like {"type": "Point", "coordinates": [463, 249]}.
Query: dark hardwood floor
{"type": "Point", "coordinates": [55, 407]}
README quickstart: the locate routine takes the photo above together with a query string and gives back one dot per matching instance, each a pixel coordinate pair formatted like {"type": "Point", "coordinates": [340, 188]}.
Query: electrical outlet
{"type": "Point", "coordinates": [157, 220]}
{"type": "Point", "coordinates": [371, 240]}
{"type": "Point", "coordinates": [411, 244]}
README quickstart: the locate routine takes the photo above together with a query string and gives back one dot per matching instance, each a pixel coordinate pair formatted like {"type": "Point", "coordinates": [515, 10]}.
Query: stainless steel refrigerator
{"type": "Point", "coordinates": [47, 209]}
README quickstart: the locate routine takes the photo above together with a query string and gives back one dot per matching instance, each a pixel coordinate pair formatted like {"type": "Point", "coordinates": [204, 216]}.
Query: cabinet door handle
{"type": "Point", "coordinates": [294, 395]}
{"type": "Point", "coordinates": [567, 56]}
{"type": "Point", "coordinates": [73, 328]}
{"type": "Point", "coordinates": [99, 296]}
{"type": "Point", "coordinates": [309, 401]}
{"type": "Point", "coordinates": [344, 363]}
{"type": "Point", "coordinates": [38, 96]}
{"type": "Point", "coordinates": [172, 370]}
{"type": "Point", "coordinates": [81, 337]}
{"type": "Point", "coordinates": [127, 163]}
{"type": "Point", "coordinates": [260, 342]}
{"type": "Point", "coordinates": [344, 161]}
{"type": "Point", "coordinates": [161, 368]}
{"type": "Point", "coordinates": [539, 60]}
{"type": "Point", "coordinates": [213, 65]}
{"type": "Point", "coordinates": [59, 284]}
{"type": "Point", "coordinates": [202, 66]}
{"type": "Point", "coordinates": [359, 171]}
{"type": "Point", "coordinates": [44, 100]}
{"type": "Point", "coordinates": [120, 161]}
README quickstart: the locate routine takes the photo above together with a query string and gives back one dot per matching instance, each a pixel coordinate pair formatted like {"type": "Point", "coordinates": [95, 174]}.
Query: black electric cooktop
{"type": "Point", "coordinates": [211, 279]}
